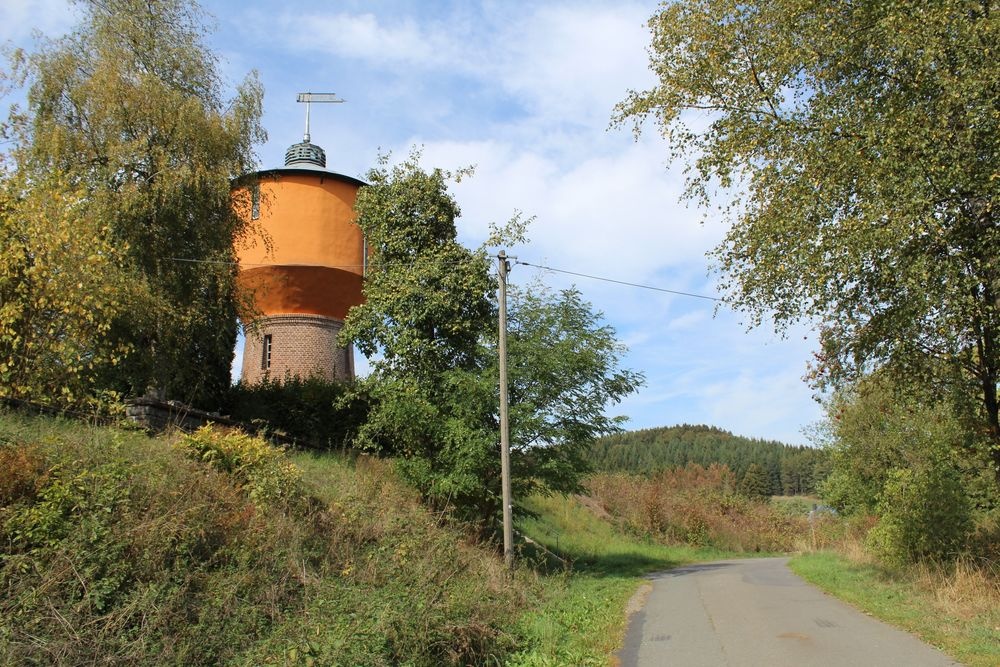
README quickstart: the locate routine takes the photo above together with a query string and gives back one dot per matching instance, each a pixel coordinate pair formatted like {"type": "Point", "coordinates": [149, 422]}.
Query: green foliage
{"type": "Point", "coordinates": [426, 297]}
{"type": "Point", "coordinates": [860, 143]}
{"type": "Point", "coordinates": [123, 551]}
{"type": "Point", "coordinates": [408, 589]}
{"type": "Point", "coordinates": [904, 457]}
{"type": "Point", "coordinates": [62, 286]}
{"type": "Point", "coordinates": [426, 305]}
{"type": "Point", "coordinates": [430, 312]}
{"type": "Point", "coordinates": [312, 411]}
{"type": "Point", "coordinates": [127, 110]}
{"type": "Point", "coordinates": [923, 514]}
{"type": "Point", "coordinates": [875, 428]}
{"type": "Point", "coordinates": [564, 370]}
{"type": "Point", "coordinates": [756, 484]}
{"type": "Point", "coordinates": [117, 548]}
{"type": "Point", "coordinates": [261, 470]}
{"type": "Point", "coordinates": [790, 470]}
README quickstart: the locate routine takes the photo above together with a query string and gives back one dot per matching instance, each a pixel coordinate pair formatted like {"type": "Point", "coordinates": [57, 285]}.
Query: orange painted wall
{"type": "Point", "coordinates": [315, 260]}
{"type": "Point", "coordinates": [303, 290]}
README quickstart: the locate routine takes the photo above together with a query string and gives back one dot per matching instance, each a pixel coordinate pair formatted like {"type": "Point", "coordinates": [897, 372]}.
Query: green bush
{"type": "Point", "coordinates": [923, 513]}
{"type": "Point", "coordinates": [262, 471]}
{"type": "Point", "coordinates": [311, 411]}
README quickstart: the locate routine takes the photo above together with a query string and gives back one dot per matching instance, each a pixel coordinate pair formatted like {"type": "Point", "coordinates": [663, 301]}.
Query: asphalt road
{"type": "Point", "coordinates": [756, 613]}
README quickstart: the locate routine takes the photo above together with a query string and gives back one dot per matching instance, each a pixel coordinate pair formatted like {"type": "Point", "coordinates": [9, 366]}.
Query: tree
{"type": "Point", "coordinates": [430, 315]}
{"type": "Point", "coordinates": [564, 370]}
{"type": "Point", "coordinates": [873, 431]}
{"type": "Point", "coordinates": [129, 110]}
{"type": "Point", "coordinates": [426, 305]}
{"type": "Point", "coordinates": [923, 514]}
{"type": "Point", "coordinates": [61, 287]}
{"type": "Point", "coordinates": [756, 483]}
{"type": "Point", "coordinates": [863, 140]}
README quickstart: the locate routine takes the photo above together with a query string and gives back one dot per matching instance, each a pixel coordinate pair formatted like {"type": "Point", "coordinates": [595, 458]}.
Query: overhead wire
{"type": "Point", "coordinates": [516, 261]}
{"type": "Point", "coordinates": [618, 282]}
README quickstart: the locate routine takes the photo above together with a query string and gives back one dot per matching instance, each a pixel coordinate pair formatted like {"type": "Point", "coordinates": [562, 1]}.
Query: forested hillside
{"type": "Point", "coordinates": [791, 470]}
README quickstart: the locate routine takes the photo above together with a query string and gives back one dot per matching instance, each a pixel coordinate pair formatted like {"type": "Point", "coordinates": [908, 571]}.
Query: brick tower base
{"type": "Point", "coordinates": [296, 345]}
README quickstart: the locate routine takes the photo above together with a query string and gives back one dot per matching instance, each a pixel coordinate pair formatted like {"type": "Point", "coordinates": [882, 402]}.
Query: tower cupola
{"type": "Point", "coordinates": [304, 154]}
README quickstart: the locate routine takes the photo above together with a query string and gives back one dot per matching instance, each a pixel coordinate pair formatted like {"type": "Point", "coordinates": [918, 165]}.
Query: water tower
{"type": "Point", "coordinates": [309, 273]}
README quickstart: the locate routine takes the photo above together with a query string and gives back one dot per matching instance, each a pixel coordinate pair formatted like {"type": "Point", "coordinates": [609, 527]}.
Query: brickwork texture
{"type": "Point", "coordinates": [301, 345]}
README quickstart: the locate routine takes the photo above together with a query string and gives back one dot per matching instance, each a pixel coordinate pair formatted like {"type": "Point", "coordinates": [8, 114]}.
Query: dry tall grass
{"type": "Point", "coordinates": [697, 506]}
{"type": "Point", "coordinates": [965, 589]}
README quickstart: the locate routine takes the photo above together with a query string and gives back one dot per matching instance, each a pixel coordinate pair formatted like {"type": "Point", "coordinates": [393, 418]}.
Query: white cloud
{"type": "Point", "coordinates": [565, 64]}
{"type": "Point", "coordinates": [615, 215]}
{"type": "Point", "coordinates": [574, 62]}
{"type": "Point", "coordinates": [688, 321]}
{"type": "Point", "coordinates": [363, 36]}
{"type": "Point", "coordinates": [376, 40]}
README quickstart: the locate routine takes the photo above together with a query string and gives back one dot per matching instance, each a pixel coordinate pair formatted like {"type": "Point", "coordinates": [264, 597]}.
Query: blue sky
{"type": "Point", "coordinates": [524, 92]}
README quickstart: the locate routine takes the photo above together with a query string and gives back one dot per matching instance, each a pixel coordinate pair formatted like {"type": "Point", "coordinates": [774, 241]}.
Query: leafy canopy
{"type": "Point", "coordinates": [431, 320]}
{"type": "Point", "coordinates": [863, 138]}
{"type": "Point", "coordinates": [61, 286]}
{"type": "Point", "coordinates": [129, 111]}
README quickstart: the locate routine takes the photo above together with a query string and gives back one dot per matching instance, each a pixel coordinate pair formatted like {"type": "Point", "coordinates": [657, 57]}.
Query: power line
{"type": "Point", "coordinates": [620, 282]}
{"type": "Point", "coordinates": [536, 266]}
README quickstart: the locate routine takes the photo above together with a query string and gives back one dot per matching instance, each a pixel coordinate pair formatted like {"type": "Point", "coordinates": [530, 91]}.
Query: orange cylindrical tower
{"type": "Point", "coordinates": [306, 273]}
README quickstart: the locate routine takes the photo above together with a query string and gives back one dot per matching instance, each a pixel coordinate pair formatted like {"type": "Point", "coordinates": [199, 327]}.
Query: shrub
{"type": "Point", "coordinates": [262, 471]}
{"type": "Point", "coordinates": [116, 548]}
{"type": "Point", "coordinates": [312, 411]}
{"type": "Point", "coordinates": [697, 506]}
{"type": "Point", "coordinates": [923, 513]}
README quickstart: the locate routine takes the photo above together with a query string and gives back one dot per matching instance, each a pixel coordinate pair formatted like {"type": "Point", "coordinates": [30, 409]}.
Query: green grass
{"type": "Point", "coordinates": [902, 599]}
{"type": "Point", "coordinates": [123, 549]}
{"type": "Point", "coordinates": [579, 616]}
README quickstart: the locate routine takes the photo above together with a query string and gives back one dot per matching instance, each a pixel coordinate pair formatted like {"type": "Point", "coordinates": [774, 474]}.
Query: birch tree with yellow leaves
{"type": "Point", "coordinates": [128, 144]}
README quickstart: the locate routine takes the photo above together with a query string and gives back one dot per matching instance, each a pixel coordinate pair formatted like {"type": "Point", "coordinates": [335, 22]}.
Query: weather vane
{"type": "Point", "coordinates": [309, 98]}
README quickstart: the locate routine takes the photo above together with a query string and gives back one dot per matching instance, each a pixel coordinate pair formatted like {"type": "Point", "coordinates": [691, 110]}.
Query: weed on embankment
{"type": "Point", "coordinates": [118, 548]}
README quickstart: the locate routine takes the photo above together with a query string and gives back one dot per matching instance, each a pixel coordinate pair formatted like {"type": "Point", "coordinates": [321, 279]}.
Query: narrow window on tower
{"type": "Point", "coordinates": [255, 202]}
{"type": "Point", "coordinates": [265, 359]}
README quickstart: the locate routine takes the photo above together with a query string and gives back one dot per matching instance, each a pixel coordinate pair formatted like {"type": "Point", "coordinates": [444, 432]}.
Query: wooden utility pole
{"type": "Point", "coordinates": [508, 525]}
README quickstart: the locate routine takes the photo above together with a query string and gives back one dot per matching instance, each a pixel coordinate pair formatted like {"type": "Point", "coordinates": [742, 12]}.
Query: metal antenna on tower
{"type": "Point", "coordinates": [309, 98]}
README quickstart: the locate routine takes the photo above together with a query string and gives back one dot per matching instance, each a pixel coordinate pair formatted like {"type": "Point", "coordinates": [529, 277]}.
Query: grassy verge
{"type": "Point", "coordinates": [956, 610]}
{"type": "Point", "coordinates": [117, 548]}
{"type": "Point", "coordinates": [579, 616]}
